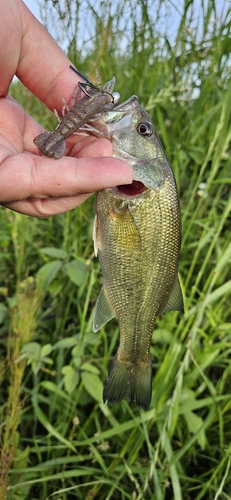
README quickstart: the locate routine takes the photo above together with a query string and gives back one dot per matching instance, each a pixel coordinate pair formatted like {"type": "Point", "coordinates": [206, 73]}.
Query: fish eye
{"type": "Point", "coordinates": [144, 128]}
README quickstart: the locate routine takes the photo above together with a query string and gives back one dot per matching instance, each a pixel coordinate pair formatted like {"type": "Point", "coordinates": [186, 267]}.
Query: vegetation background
{"type": "Point", "coordinates": [58, 440]}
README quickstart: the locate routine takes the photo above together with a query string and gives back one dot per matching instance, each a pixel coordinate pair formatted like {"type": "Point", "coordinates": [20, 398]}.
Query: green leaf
{"type": "Point", "coordinates": [47, 272]}
{"type": "Point", "coordinates": [76, 270]}
{"type": "Point", "coordinates": [162, 335]}
{"type": "Point", "coordinates": [78, 350]}
{"type": "Point", "coordinates": [90, 368]}
{"type": "Point", "coordinates": [196, 154]}
{"type": "Point", "coordinates": [77, 361]}
{"type": "Point", "coordinates": [194, 423]}
{"type": "Point", "coordinates": [93, 385]}
{"type": "Point", "coordinates": [65, 343]}
{"type": "Point", "coordinates": [54, 389]}
{"type": "Point", "coordinates": [91, 338]}
{"type": "Point", "coordinates": [35, 365]}
{"type": "Point", "coordinates": [71, 378]}
{"type": "Point", "coordinates": [57, 253]}
{"type": "Point", "coordinates": [3, 311]}
{"type": "Point", "coordinates": [46, 349]}
{"type": "Point", "coordinates": [32, 349]}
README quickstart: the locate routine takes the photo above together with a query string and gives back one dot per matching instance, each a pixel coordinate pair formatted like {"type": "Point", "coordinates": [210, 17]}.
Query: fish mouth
{"type": "Point", "coordinates": [133, 189]}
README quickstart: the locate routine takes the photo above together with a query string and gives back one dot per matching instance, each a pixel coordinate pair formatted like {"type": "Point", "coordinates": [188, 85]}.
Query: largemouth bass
{"type": "Point", "coordinates": [137, 238]}
{"type": "Point", "coordinates": [137, 234]}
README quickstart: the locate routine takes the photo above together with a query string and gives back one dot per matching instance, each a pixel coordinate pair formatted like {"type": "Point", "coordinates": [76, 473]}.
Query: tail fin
{"type": "Point", "coordinates": [132, 382]}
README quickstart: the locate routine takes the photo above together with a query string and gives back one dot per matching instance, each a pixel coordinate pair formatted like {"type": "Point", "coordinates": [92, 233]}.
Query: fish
{"type": "Point", "coordinates": [137, 233]}
{"type": "Point", "coordinates": [137, 237]}
{"type": "Point", "coordinates": [96, 100]}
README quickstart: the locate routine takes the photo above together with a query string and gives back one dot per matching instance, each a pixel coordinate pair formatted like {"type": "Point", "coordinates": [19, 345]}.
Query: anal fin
{"type": "Point", "coordinates": [175, 301]}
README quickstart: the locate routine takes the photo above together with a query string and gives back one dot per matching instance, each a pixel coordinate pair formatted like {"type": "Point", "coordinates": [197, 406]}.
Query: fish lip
{"type": "Point", "coordinates": [128, 105]}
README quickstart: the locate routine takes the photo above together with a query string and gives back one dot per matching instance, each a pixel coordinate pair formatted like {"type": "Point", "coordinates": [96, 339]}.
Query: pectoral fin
{"type": "Point", "coordinates": [175, 301]}
{"type": "Point", "coordinates": [103, 311]}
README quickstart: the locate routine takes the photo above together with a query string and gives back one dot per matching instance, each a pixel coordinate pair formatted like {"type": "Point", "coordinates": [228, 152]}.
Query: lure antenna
{"type": "Point", "coordinates": [81, 76]}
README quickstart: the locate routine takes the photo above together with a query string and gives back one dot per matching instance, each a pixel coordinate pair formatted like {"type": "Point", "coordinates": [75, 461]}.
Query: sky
{"type": "Point", "coordinates": [33, 6]}
{"type": "Point", "coordinates": [35, 9]}
{"type": "Point", "coordinates": [176, 7]}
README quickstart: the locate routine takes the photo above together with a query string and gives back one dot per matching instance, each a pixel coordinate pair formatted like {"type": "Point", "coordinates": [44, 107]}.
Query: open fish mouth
{"type": "Point", "coordinates": [133, 189]}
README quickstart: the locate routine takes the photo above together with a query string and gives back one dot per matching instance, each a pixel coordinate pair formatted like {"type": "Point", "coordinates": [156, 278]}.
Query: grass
{"type": "Point", "coordinates": [58, 439]}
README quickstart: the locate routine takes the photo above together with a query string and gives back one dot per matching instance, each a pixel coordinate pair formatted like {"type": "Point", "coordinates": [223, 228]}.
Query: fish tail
{"type": "Point", "coordinates": [132, 382]}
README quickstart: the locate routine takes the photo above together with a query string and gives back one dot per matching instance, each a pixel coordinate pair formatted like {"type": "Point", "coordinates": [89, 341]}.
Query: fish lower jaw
{"type": "Point", "coordinates": [133, 189]}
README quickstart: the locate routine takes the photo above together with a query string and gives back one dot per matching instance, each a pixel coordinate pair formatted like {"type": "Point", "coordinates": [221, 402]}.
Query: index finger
{"type": "Point", "coordinates": [43, 67]}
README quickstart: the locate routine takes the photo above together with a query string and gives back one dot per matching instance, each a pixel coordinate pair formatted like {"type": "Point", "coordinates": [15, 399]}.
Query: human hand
{"type": "Point", "coordinates": [29, 183]}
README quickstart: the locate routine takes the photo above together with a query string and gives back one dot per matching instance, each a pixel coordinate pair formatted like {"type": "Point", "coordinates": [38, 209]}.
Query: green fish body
{"type": "Point", "coordinates": [137, 238]}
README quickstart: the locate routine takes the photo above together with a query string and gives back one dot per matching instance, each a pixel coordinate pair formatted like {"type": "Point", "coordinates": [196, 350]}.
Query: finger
{"type": "Point", "coordinates": [43, 208]}
{"type": "Point", "coordinates": [40, 177]}
{"type": "Point", "coordinates": [91, 147]}
{"type": "Point", "coordinates": [10, 42]}
{"type": "Point", "coordinates": [43, 67]}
